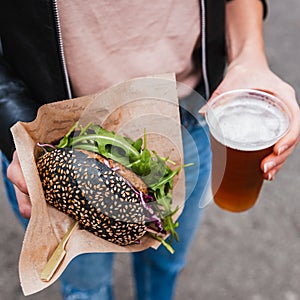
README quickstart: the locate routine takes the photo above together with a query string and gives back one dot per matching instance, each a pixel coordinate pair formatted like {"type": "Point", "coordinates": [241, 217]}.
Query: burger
{"type": "Point", "coordinates": [113, 186]}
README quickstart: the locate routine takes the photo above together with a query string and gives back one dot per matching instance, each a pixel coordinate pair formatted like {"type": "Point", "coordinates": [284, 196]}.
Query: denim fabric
{"type": "Point", "coordinates": [89, 276]}
{"type": "Point", "coordinates": [156, 271]}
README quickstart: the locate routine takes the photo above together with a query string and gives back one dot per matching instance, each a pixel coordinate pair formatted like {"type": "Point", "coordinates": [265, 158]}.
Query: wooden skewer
{"type": "Point", "coordinates": [57, 256]}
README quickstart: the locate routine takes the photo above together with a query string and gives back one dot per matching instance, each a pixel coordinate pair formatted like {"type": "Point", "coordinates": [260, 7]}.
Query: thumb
{"type": "Point", "coordinates": [203, 110]}
{"type": "Point", "coordinates": [218, 91]}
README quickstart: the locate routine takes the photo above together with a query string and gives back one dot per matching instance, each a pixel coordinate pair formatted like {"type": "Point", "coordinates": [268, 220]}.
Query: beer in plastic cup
{"type": "Point", "coordinates": [244, 126]}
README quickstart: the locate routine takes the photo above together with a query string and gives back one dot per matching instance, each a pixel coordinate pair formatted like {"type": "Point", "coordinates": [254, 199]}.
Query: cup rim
{"type": "Point", "coordinates": [260, 95]}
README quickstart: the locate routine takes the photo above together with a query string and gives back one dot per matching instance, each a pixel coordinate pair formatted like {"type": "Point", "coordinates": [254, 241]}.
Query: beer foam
{"type": "Point", "coordinates": [249, 124]}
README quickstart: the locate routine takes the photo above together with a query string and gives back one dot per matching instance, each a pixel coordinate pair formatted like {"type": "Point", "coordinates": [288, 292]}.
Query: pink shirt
{"type": "Point", "coordinates": [106, 42]}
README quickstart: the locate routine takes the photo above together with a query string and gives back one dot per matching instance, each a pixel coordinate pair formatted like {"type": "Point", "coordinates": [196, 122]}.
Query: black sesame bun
{"type": "Point", "coordinates": [102, 195]}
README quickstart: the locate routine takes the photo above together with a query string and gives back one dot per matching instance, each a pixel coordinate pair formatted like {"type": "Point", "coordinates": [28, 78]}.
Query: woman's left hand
{"type": "Point", "coordinates": [251, 75]}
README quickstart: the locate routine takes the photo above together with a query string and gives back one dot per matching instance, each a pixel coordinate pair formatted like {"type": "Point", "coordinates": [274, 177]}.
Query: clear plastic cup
{"type": "Point", "coordinates": [244, 126]}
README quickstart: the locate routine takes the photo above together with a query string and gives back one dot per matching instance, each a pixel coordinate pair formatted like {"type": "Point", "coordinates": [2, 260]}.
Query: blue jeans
{"type": "Point", "coordinates": [89, 276]}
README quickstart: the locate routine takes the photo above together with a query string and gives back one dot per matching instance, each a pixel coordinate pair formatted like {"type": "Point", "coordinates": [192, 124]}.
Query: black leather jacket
{"type": "Point", "coordinates": [32, 66]}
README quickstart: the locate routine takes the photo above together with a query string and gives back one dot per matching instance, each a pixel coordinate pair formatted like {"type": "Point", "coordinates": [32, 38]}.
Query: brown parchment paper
{"type": "Point", "coordinates": [128, 108]}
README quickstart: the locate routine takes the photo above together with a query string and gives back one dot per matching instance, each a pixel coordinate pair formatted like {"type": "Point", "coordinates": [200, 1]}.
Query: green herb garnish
{"type": "Point", "coordinates": [153, 169]}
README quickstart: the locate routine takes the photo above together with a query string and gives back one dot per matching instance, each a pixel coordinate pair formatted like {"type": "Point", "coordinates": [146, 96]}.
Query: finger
{"type": "Point", "coordinates": [203, 110]}
{"type": "Point", "coordinates": [23, 203]}
{"type": "Point", "coordinates": [272, 161]}
{"type": "Point", "coordinates": [15, 174]}
{"type": "Point", "coordinates": [293, 135]}
{"type": "Point", "coordinates": [271, 174]}
{"type": "Point", "coordinates": [218, 91]}
{"type": "Point", "coordinates": [289, 141]}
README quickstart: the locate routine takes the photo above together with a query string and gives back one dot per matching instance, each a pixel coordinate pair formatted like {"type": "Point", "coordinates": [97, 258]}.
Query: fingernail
{"type": "Point", "coordinates": [281, 149]}
{"type": "Point", "coordinates": [268, 165]}
{"type": "Point", "coordinates": [203, 110]}
{"type": "Point", "coordinates": [271, 177]}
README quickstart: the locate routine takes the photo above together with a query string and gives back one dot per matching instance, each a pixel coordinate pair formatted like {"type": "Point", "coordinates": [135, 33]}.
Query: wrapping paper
{"type": "Point", "coordinates": [128, 108]}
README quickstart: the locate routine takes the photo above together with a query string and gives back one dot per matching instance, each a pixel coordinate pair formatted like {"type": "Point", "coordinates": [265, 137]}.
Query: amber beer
{"type": "Point", "coordinates": [241, 178]}
{"type": "Point", "coordinates": [244, 126]}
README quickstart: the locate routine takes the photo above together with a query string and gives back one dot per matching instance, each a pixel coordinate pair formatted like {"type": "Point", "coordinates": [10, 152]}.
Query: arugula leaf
{"type": "Point", "coordinates": [138, 144]}
{"type": "Point", "coordinates": [64, 142]}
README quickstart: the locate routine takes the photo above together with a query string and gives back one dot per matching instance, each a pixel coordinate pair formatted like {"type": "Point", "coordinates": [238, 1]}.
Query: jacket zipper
{"type": "Point", "coordinates": [203, 45]}
{"type": "Point", "coordinates": [61, 49]}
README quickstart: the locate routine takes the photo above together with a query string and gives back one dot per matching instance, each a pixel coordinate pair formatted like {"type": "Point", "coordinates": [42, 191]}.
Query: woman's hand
{"type": "Point", "coordinates": [255, 76]}
{"type": "Point", "coordinates": [15, 175]}
{"type": "Point", "coordinates": [248, 68]}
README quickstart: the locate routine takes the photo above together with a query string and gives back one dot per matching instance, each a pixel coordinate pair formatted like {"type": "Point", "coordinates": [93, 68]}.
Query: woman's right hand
{"type": "Point", "coordinates": [15, 175]}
